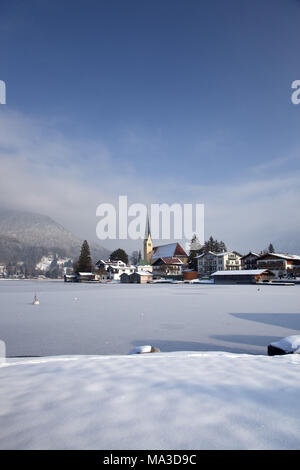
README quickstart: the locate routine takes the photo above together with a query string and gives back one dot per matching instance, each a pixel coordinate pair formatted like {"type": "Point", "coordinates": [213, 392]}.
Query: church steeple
{"type": "Point", "coordinates": [147, 242]}
{"type": "Point", "coordinates": [147, 231]}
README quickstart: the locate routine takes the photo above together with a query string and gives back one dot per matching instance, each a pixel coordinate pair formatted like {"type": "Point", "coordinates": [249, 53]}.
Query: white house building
{"type": "Point", "coordinates": [281, 264]}
{"type": "Point", "coordinates": [210, 262]}
{"type": "Point", "coordinates": [145, 267]}
{"type": "Point", "coordinates": [112, 270]}
{"type": "Point", "coordinates": [3, 272]}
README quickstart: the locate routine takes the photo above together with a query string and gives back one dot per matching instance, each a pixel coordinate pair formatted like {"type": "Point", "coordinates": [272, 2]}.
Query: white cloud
{"type": "Point", "coordinates": [43, 171]}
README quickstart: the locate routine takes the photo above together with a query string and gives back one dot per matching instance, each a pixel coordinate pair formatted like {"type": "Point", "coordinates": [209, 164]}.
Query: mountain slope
{"type": "Point", "coordinates": [20, 230]}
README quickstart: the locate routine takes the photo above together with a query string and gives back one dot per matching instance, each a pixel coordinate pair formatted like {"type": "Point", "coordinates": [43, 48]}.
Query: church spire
{"type": "Point", "coordinates": [147, 241]}
{"type": "Point", "coordinates": [147, 231]}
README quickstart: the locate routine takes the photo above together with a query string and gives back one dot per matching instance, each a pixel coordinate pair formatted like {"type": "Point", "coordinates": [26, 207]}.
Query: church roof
{"type": "Point", "coordinates": [168, 251]}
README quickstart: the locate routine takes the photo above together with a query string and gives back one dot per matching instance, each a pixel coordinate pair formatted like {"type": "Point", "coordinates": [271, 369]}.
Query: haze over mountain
{"type": "Point", "coordinates": [24, 234]}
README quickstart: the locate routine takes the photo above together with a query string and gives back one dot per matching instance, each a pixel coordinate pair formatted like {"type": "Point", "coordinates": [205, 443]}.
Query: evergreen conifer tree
{"type": "Point", "coordinates": [119, 254]}
{"type": "Point", "coordinates": [271, 248]}
{"type": "Point", "coordinates": [84, 263]}
{"type": "Point", "coordinates": [195, 247]}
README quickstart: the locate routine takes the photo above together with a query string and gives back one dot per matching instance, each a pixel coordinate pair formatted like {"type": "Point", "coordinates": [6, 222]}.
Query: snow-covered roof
{"type": "Point", "coordinates": [282, 255]}
{"type": "Point", "coordinates": [203, 254]}
{"type": "Point", "coordinates": [144, 273]}
{"type": "Point", "coordinates": [223, 253]}
{"type": "Point", "coordinates": [227, 253]}
{"type": "Point", "coordinates": [239, 272]}
{"type": "Point", "coordinates": [86, 274]}
{"type": "Point", "coordinates": [167, 251]}
{"type": "Point", "coordinates": [249, 254]}
{"type": "Point", "coordinates": [171, 260]}
{"type": "Point", "coordinates": [290, 344]}
{"type": "Point", "coordinates": [110, 263]}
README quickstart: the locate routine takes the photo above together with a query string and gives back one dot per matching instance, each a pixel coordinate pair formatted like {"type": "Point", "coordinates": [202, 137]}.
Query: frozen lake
{"type": "Point", "coordinates": [113, 318]}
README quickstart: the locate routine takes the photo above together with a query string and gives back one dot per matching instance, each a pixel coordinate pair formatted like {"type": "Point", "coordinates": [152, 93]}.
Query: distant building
{"type": "Point", "coordinates": [85, 277]}
{"type": "Point", "coordinates": [210, 262]}
{"type": "Point", "coordinates": [249, 261]}
{"type": "Point", "coordinates": [145, 267]}
{"type": "Point", "coordinates": [3, 272]}
{"type": "Point", "coordinates": [79, 277]}
{"type": "Point", "coordinates": [112, 270]}
{"type": "Point", "coordinates": [245, 276]}
{"type": "Point", "coordinates": [139, 277]}
{"type": "Point", "coordinates": [46, 261]}
{"type": "Point", "coordinates": [282, 265]}
{"type": "Point", "coordinates": [71, 278]}
{"type": "Point", "coordinates": [124, 278]}
{"type": "Point", "coordinates": [168, 267]}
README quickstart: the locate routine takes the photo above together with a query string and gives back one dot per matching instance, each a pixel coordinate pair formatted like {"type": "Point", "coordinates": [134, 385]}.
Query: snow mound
{"type": "Point", "coordinates": [288, 345]}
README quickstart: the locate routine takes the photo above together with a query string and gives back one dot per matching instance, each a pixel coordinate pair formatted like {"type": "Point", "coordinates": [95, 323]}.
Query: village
{"type": "Point", "coordinates": [168, 263]}
{"type": "Point", "coordinates": [172, 264]}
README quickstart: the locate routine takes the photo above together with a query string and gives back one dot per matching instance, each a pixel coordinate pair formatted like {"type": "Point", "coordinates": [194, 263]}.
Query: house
{"type": "Point", "coordinates": [245, 276]}
{"type": "Point", "coordinates": [79, 277]}
{"type": "Point", "coordinates": [125, 278]}
{"type": "Point", "coordinates": [171, 250]}
{"type": "Point", "coordinates": [249, 261]}
{"type": "Point", "coordinates": [112, 270]}
{"type": "Point", "coordinates": [282, 265]}
{"type": "Point", "coordinates": [145, 267]}
{"type": "Point", "coordinates": [3, 272]}
{"type": "Point", "coordinates": [86, 277]}
{"type": "Point", "coordinates": [210, 262]}
{"type": "Point", "coordinates": [141, 277]}
{"type": "Point", "coordinates": [206, 263]}
{"type": "Point", "coordinates": [168, 267]}
{"type": "Point", "coordinates": [70, 278]}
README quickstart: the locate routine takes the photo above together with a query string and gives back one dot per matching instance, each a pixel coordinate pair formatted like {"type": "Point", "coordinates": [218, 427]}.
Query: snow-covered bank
{"type": "Point", "coordinates": [183, 400]}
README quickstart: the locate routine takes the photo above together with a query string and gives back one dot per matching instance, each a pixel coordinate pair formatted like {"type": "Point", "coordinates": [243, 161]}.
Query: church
{"type": "Point", "coordinates": [169, 259]}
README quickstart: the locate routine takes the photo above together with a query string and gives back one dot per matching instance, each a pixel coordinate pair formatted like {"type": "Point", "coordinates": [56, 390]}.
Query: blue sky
{"type": "Point", "coordinates": [170, 101]}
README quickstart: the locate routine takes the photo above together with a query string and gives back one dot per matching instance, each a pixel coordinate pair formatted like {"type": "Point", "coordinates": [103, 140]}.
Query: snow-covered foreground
{"type": "Point", "coordinates": [112, 319]}
{"type": "Point", "coordinates": [184, 400]}
{"type": "Point", "coordinates": [83, 394]}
